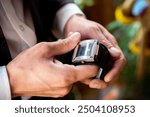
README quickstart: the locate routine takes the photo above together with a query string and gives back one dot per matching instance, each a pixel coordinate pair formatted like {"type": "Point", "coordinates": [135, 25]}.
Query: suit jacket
{"type": "Point", "coordinates": [43, 13]}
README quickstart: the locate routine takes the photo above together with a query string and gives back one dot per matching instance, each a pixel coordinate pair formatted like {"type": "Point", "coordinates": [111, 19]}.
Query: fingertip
{"type": "Point", "coordinates": [74, 35]}
{"type": "Point", "coordinates": [69, 34]}
{"type": "Point", "coordinates": [74, 38]}
{"type": "Point", "coordinates": [65, 45]}
{"type": "Point", "coordinates": [97, 84]}
{"type": "Point", "coordinates": [114, 52]}
{"type": "Point", "coordinates": [111, 75]}
{"type": "Point", "coordinates": [108, 77]}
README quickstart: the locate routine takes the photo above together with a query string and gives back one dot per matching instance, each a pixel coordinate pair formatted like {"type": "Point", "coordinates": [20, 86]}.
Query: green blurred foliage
{"type": "Point", "coordinates": [124, 34]}
{"type": "Point", "coordinates": [83, 3]}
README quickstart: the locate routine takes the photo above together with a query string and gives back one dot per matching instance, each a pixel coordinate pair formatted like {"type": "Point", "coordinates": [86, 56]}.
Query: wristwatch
{"type": "Point", "coordinates": [93, 52]}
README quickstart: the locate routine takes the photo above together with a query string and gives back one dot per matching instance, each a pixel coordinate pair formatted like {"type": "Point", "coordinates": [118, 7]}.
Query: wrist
{"type": "Point", "coordinates": [12, 79]}
{"type": "Point", "coordinates": [71, 23]}
{"type": "Point", "coordinates": [5, 92]}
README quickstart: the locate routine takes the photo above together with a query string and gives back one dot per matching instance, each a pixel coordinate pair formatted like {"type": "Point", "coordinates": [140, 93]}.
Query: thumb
{"type": "Point", "coordinates": [65, 45]}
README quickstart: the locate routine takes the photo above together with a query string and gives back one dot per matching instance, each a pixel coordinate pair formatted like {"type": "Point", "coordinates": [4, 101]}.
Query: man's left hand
{"type": "Point", "coordinates": [92, 30]}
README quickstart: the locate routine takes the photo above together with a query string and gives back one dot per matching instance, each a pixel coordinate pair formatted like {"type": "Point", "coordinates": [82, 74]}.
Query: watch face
{"type": "Point", "coordinates": [85, 51]}
{"type": "Point", "coordinates": [92, 52]}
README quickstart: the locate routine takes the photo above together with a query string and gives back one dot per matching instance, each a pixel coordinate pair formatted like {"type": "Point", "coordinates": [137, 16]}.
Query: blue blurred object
{"type": "Point", "coordinates": [139, 7]}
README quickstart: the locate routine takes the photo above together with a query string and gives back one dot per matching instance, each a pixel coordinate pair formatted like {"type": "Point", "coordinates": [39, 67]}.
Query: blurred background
{"type": "Point", "coordinates": [129, 22]}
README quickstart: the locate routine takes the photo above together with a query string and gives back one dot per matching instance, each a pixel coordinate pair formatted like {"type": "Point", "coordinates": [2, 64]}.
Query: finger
{"type": "Point", "coordinates": [107, 43]}
{"type": "Point", "coordinates": [86, 81]}
{"type": "Point", "coordinates": [115, 49]}
{"type": "Point", "coordinates": [80, 72]}
{"type": "Point", "coordinates": [86, 71]}
{"type": "Point", "coordinates": [115, 52]}
{"type": "Point", "coordinates": [109, 36]}
{"type": "Point", "coordinates": [117, 67]}
{"type": "Point", "coordinates": [110, 41]}
{"type": "Point", "coordinates": [97, 84]}
{"type": "Point", "coordinates": [60, 92]}
{"type": "Point", "coordinates": [101, 38]}
{"type": "Point", "coordinates": [65, 45]}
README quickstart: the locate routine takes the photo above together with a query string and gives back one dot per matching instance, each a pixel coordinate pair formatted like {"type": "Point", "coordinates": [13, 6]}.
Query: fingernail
{"type": "Point", "coordinates": [75, 34]}
{"type": "Point", "coordinates": [107, 79]}
{"type": "Point", "coordinates": [70, 33]}
{"type": "Point", "coordinates": [114, 51]}
{"type": "Point", "coordinates": [96, 86]}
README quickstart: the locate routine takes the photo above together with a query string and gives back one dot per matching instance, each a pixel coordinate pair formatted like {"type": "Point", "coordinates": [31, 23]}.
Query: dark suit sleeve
{"type": "Point", "coordinates": [43, 14]}
{"type": "Point", "coordinates": [48, 8]}
{"type": "Point", "coordinates": [55, 5]}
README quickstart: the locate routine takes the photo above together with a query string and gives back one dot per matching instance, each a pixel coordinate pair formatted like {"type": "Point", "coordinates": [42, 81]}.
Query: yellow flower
{"type": "Point", "coordinates": [136, 49]}
{"type": "Point", "coordinates": [122, 18]}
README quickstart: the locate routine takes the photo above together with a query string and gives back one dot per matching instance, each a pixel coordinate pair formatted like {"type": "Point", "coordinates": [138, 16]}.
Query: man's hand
{"type": "Point", "coordinates": [92, 30]}
{"type": "Point", "coordinates": [36, 72]}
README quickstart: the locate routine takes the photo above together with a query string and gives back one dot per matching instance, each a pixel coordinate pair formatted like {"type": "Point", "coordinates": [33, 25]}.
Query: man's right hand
{"type": "Point", "coordinates": [36, 72]}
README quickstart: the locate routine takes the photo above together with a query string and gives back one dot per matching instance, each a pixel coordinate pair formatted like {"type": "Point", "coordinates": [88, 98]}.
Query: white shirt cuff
{"type": "Point", "coordinates": [62, 16]}
{"type": "Point", "coordinates": [5, 93]}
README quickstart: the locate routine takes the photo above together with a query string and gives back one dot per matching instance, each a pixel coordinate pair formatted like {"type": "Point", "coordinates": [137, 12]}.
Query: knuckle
{"type": "Point", "coordinates": [43, 46]}
{"type": "Point", "coordinates": [65, 81]}
{"type": "Point", "coordinates": [107, 43]}
{"type": "Point", "coordinates": [64, 43]}
{"type": "Point", "coordinates": [70, 76]}
{"type": "Point", "coordinates": [94, 28]}
{"type": "Point", "coordinates": [64, 92]}
{"type": "Point", "coordinates": [113, 39]}
{"type": "Point", "coordinates": [56, 96]}
{"type": "Point", "coordinates": [123, 60]}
